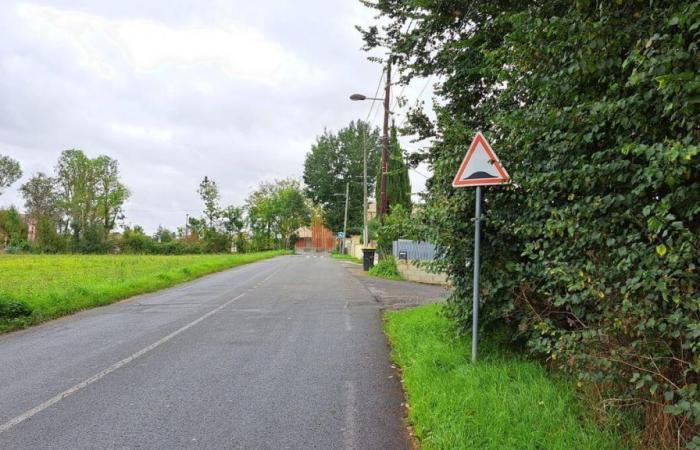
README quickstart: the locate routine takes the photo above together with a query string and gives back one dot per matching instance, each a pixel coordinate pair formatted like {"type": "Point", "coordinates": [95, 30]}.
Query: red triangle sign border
{"type": "Point", "coordinates": [503, 178]}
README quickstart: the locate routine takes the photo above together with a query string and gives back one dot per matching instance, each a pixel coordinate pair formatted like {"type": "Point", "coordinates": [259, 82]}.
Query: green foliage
{"type": "Point", "coordinates": [591, 255]}
{"type": "Point", "coordinates": [336, 159]}
{"type": "Point", "coordinates": [10, 172]}
{"type": "Point", "coordinates": [386, 268]}
{"type": "Point", "coordinates": [10, 309]}
{"type": "Point", "coordinates": [398, 184]}
{"type": "Point", "coordinates": [345, 257]}
{"type": "Point", "coordinates": [135, 241]}
{"type": "Point", "coordinates": [209, 192]}
{"type": "Point", "coordinates": [503, 402]}
{"type": "Point", "coordinates": [399, 224]}
{"type": "Point", "coordinates": [277, 208]}
{"type": "Point", "coordinates": [52, 286]}
{"type": "Point", "coordinates": [12, 229]}
{"type": "Point", "coordinates": [91, 198]}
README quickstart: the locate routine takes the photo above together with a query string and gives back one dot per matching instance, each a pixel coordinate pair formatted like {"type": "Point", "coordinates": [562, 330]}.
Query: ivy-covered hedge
{"type": "Point", "coordinates": [591, 255]}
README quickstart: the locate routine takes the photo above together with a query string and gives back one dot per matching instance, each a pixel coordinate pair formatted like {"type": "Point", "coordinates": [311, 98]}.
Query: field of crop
{"type": "Point", "coordinates": [502, 402]}
{"type": "Point", "coordinates": [36, 288]}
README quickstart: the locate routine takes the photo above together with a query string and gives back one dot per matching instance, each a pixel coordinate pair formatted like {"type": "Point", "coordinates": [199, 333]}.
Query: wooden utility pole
{"type": "Point", "coordinates": [383, 207]}
{"type": "Point", "coordinates": [365, 232]}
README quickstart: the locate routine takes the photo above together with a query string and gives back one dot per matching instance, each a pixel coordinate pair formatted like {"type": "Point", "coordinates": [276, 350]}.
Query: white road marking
{"type": "Point", "coordinates": [68, 392]}
{"type": "Point", "coordinates": [350, 429]}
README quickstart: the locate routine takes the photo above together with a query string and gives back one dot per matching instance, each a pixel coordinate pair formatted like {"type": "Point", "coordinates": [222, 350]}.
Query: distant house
{"type": "Point", "coordinates": [31, 226]}
{"type": "Point", "coordinates": [315, 238]}
{"type": "Point", "coordinates": [371, 210]}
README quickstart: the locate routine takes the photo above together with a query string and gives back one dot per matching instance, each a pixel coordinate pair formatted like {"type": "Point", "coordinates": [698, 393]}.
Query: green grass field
{"type": "Point", "coordinates": [502, 402]}
{"type": "Point", "coordinates": [56, 285]}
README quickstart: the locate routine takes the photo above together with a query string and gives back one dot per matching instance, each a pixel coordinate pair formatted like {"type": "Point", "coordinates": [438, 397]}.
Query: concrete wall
{"type": "Point", "coordinates": [354, 247]}
{"type": "Point", "coordinates": [411, 272]}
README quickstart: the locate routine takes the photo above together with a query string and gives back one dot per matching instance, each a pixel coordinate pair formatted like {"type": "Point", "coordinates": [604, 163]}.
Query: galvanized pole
{"type": "Point", "coordinates": [475, 263]}
{"type": "Point", "coordinates": [345, 222]}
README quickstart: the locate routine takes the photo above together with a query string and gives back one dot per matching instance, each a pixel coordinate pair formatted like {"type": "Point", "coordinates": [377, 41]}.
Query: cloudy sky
{"type": "Point", "coordinates": [179, 89]}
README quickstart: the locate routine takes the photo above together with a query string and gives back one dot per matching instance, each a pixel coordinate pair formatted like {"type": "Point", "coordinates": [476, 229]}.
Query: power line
{"type": "Point", "coordinates": [376, 92]}
{"type": "Point", "coordinates": [421, 174]}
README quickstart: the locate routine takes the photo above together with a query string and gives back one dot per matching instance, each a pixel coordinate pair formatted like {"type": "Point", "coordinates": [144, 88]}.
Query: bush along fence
{"type": "Point", "coordinates": [591, 255]}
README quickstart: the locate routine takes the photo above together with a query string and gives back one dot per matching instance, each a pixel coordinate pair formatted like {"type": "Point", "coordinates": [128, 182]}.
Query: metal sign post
{"type": "Point", "coordinates": [476, 264]}
{"type": "Point", "coordinates": [480, 167]}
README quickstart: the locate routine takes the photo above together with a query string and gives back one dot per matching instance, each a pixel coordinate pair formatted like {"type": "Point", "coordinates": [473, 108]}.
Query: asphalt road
{"type": "Point", "coordinates": [285, 353]}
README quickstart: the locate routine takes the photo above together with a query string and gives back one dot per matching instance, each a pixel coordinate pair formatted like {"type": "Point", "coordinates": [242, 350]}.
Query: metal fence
{"type": "Point", "coordinates": [414, 250]}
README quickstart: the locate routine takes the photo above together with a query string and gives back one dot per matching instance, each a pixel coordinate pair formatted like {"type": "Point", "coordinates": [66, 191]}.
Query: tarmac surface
{"type": "Point", "coordinates": [284, 353]}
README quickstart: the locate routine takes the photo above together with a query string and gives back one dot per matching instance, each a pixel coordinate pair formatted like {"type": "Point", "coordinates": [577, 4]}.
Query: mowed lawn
{"type": "Point", "coordinates": [502, 402]}
{"type": "Point", "coordinates": [56, 285]}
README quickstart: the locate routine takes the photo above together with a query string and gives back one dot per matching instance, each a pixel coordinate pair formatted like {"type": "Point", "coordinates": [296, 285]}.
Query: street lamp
{"type": "Point", "coordinates": [359, 97]}
{"type": "Point", "coordinates": [365, 230]}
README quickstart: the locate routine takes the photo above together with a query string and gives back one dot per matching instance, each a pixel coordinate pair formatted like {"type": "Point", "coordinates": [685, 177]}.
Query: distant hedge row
{"type": "Point", "coordinates": [592, 254]}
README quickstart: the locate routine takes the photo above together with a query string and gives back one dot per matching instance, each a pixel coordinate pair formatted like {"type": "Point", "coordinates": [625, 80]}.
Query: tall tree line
{"type": "Point", "coordinates": [335, 159]}
{"type": "Point", "coordinates": [593, 108]}
{"type": "Point", "coordinates": [78, 206]}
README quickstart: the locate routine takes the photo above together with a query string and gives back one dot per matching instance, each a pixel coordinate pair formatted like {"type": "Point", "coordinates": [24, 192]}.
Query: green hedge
{"type": "Point", "coordinates": [591, 255]}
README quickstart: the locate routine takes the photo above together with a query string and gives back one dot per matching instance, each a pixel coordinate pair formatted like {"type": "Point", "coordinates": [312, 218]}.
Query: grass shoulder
{"type": "Point", "coordinates": [37, 288]}
{"type": "Point", "coordinates": [345, 257]}
{"type": "Point", "coordinates": [502, 402]}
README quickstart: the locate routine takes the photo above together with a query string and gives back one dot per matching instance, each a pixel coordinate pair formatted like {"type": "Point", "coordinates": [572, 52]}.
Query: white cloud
{"type": "Point", "coordinates": [241, 52]}
{"type": "Point", "coordinates": [176, 90]}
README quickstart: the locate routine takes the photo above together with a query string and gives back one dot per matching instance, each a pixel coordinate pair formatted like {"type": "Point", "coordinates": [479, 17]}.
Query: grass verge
{"type": "Point", "coordinates": [345, 257]}
{"type": "Point", "coordinates": [386, 268]}
{"type": "Point", "coordinates": [502, 402]}
{"type": "Point", "coordinates": [50, 286]}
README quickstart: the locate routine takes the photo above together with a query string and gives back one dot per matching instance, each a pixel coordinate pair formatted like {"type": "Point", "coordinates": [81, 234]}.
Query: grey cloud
{"type": "Point", "coordinates": [172, 124]}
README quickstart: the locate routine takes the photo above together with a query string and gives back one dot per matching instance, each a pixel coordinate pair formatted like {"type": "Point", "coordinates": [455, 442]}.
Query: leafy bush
{"type": "Point", "coordinates": [10, 309]}
{"type": "Point", "coordinates": [399, 224]}
{"type": "Point", "coordinates": [591, 255]}
{"type": "Point", "coordinates": [386, 268]}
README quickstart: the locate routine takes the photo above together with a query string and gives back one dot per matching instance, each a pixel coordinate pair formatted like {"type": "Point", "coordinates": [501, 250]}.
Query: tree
{"type": "Point", "coordinates": [163, 235]}
{"type": "Point", "coordinates": [398, 184]}
{"type": "Point", "coordinates": [12, 226]}
{"type": "Point", "coordinates": [91, 196]}
{"type": "Point", "coordinates": [592, 106]}
{"type": "Point", "coordinates": [10, 172]}
{"type": "Point", "coordinates": [275, 208]}
{"type": "Point", "coordinates": [42, 204]}
{"type": "Point", "coordinates": [41, 196]}
{"type": "Point", "coordinates": [336, 159]}
{"type": "Point", "coordinates": [110, 192]}
{"type": "Point", "coordinates": [209, 192]}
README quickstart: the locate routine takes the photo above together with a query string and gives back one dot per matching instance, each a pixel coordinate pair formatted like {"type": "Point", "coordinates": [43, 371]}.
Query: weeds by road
{"type": "Point", "coordinates": [346, 257]}
{"type": "Point", "coordinates": [386, 268]}
{"type": "Point", "coordinates": [36, 288]}
{"type": "Point", "coordinates": [502, 402]}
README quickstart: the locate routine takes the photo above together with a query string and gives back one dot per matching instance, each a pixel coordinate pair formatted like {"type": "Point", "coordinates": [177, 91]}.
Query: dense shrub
{"type": "Point", "coordinates": [10, 309]}
{"type": "Point", "coordinates": [591, 255]}
{"type": "Point", "coordinates": [399, 224]}
{"type": "Point", "coordinates": [386, 268]}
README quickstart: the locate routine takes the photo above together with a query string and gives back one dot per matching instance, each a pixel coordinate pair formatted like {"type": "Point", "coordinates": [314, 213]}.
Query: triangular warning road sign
{"type": "Point", "coordinates": [481, 166]}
